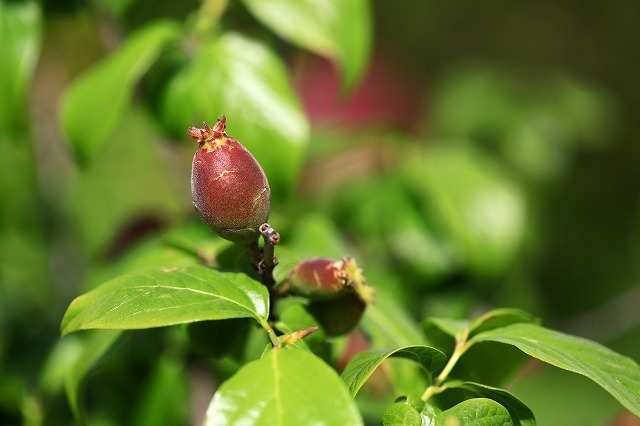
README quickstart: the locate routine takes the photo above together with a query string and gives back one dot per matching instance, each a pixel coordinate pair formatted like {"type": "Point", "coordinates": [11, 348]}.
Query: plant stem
{"type": "Point", "coordinates": [462, 344]}
{"type": "Point", "coordinates": [269, 261]}
{"type": "Point", "coordinates": [272, 334]}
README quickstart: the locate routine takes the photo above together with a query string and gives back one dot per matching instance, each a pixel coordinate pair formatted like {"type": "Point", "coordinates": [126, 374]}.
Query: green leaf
{"type": "Point", "coordinates": [389, 325]}
{"type": "Point", "coordinates": [490, 363]}
{"type": "Point", "coordinates": [337, 29]}
{"type": "Point", "coordinates": [295, 317]}
{"type": "Point", "coordinates": [475, 412]}
{"type": "Point", "coordinates": [165, 398]}
{"type": "Point", "coordinates": [244, 80]}
{"type": "Point", "coordinates": [316, 235]}
{"type": "Point", "coordinates": [20, 27]}
{"type": "Point", "coordinates": [559, 397]}
{"type": "Point", "coordinates": [367, 203]}
{"type": "Point", "coordinates": [287, 259]}
{"type": "Point", "coordinates": [150, 254]}
{"type": "Point", "coordinates": [83, 354]}
{"type": "Point", "coordinates": [98, 99]}
{"type": "Point", "coordinates": [520, 413]}
{"type": "Point", "coordinates": [196, 239]}
{"type": "Point", "coordinates": [401, 414]}
{"type": "Point", "coordinates": [478, 362]}
{"type": "Point", "coordinates": [161, 297]}
{"type": "Point", "coordinates": [499, 318]}
{"type": "Point", "coordinates": [474, 202]}
{"type": "Point", "coordinates": [617, 374]}
{"type": "Point", "coordinates": [448, 326]}
{"type": "Point", "coordinates": [129, 182]}
{"type": "Point", "coordinates": [287, 386]}
{"type": "Point", "coordinates": [365, 363]}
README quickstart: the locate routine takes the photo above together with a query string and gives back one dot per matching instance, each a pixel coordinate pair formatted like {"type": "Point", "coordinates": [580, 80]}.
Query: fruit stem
{"type": "Point", "coordinates": [269, 261]}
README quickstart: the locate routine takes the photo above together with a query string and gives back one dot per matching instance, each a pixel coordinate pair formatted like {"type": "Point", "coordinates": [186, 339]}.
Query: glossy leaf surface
{"type": "Point", "coordinates": [161, 297]}
{"type": "Point", "coordinates": [443, 331]}
{"type": "Point", "coordinates": [286, 386]}
{"type": "Point", "coordinates": [617, 374]}
{"type": "Point", "coordinates": [338, 29]}
{"type": "Point", "coordinates": [365, 363]}
{"type": "Point", "coordinates": [400, 414]}
{"type": "Point", "coordinates": [520, 413]}
{"type": "Point", "coordinates": [475, 412]}
{"type": "Point", "coordinates": [499, 318]}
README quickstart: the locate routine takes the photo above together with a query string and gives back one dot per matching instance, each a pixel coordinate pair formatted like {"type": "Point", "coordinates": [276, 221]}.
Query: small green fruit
{"type": "Point", "coordinates": [229, 188]}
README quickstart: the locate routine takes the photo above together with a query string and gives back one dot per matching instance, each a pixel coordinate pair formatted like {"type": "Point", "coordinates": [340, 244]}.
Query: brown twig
{"type": "Point", "coordinates": [268, 261]}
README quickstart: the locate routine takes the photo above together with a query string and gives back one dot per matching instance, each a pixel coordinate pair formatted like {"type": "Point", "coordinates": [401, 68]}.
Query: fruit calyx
{"type": "Point", "coordinates": [208, 133]}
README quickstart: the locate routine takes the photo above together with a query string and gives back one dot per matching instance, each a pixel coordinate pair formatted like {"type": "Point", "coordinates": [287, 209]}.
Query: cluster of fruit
{"type": "Point", "coordinates": [232, 195]}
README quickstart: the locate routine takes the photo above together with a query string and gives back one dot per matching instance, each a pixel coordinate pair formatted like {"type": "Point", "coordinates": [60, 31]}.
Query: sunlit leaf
{"type": "Point", "coordinates": [521, 415]}
{"type": "Point", "coordinates": [247, 82]}
{"type": "Point", "coordinates": [400, 414]}
{"type": "Point", "coordinates": [338, 29]}
{"type": "Point", "coordinates": [365, 363]}
{"type": "Point", "coordinates": [161, 297]}
{"type": "Point", "coordinates": [479, 361]}
{"type": "Point", "coordinates": [286, 386]}
{"type": "Point", "coordinates": [97, 100]}
{"type": "Point", "coordinates": [499, 318]}
{"type": "Point", "coordinates": [617, 374]}
{"type": "Point", "coordinates": [475, 412]}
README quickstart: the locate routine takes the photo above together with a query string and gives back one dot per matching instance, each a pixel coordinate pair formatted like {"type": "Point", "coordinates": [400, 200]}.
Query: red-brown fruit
{"type": "Point", "coordinates": [325, 278]}
{"type": "Point", "coordinates": [229, 188]}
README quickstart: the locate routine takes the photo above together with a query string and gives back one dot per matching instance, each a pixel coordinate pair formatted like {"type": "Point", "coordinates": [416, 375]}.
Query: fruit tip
{"type": "Point", "coordinates": [221, 125]}
{"type": "Point", "coordinates": [207, 133]}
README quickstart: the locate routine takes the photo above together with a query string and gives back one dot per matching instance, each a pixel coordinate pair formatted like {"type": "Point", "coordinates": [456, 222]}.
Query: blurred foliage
{"type": "Point", "coordinates": [470, 156]}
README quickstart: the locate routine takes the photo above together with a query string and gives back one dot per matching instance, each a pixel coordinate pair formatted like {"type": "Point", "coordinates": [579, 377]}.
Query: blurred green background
{"type": "Point", "coordinates": [469, 154]}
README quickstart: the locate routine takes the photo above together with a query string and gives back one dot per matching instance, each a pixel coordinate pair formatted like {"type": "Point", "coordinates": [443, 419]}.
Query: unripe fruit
{"type": "Point", "coordinates": [229, 188]}
{"type": "Point", "coordinates": [321, 278]}
{"type": "Point", "coordinates": [340, 315]}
